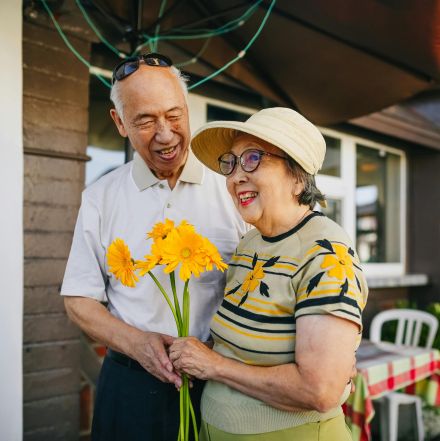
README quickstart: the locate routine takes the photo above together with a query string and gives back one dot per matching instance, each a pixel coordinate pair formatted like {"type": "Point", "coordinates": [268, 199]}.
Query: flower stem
{"type": "Point", "coordinates": [194, 422]}
{"type": "Point", "coordinates": [187, 400]}
{"type": "Point", "coordinates": [185, 332]}
{"type": "Point", "coordinates": [166, 298]}
{"type": "Point", "coordinates": [186, 309]}
{"type": "Point", "coordinates": [182, 418]}
{"type": "Point", "coordinates": [176, 302]}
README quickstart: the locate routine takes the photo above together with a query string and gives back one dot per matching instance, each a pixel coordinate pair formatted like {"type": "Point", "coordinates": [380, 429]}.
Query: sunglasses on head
{"type": "Point", "coordinates": [249, 160]}
{"type": "Point", "coordinates": [131, 64]}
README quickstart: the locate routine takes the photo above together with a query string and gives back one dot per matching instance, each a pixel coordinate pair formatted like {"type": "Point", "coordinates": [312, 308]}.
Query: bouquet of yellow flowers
{"type": "Point", "coordinates": [172, 246]}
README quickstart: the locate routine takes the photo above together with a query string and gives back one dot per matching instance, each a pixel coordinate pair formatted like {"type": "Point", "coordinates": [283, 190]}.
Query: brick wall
{"type": "Point", "coordinates": [55, 115]}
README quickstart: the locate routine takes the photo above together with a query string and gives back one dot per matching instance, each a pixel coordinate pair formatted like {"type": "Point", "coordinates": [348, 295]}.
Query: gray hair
{"type": "Point", "coordinates": [115, 95]}
{"type": "Point", "coordinates": [310, 195]}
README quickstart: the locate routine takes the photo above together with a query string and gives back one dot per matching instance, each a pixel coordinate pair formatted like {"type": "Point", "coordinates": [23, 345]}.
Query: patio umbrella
{"type": "Point", "coordinates": [332, 60]}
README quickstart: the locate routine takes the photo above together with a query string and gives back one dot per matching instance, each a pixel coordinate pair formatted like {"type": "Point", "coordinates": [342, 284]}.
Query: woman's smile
{"type": "Point", "coordinates": [246, 197]}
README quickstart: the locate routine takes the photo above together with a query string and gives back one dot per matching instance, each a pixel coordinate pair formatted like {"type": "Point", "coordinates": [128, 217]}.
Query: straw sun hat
{"type": "Point", "coordinates": [280, 126]}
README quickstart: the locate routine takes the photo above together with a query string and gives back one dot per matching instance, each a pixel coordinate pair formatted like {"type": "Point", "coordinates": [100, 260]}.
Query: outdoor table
{"type": "Point", "coordinates": [385, 367]}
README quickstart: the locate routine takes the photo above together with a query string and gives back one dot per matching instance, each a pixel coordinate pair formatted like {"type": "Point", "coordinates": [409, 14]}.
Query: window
{"type": "Point", "coordinates": [203, 110]}
{"type": "Point", "coordinates": [333, 210]}
{"type": "Point", "coordinates": [332, 162]}
{"type": "Point", "coordinates": [105, 145]}
{"type": "Point", "coordinates": [364, 183]}
{"type": "Point", "coordinates": [377, 205]}
{"type": "Point", "coordinates": [216, 113]}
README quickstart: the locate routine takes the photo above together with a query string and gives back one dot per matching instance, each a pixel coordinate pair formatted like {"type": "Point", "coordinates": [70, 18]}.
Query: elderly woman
{"type": "Point", "coordinates": [286, 332]}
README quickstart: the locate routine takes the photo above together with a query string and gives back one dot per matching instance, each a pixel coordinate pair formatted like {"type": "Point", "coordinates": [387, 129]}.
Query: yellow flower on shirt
{"type": "Point", "coordinates": [253, 278]}
{"type": "Point", "coordinates": [120, 263]}
{"type": "Point", "coordinates": [339, 264]}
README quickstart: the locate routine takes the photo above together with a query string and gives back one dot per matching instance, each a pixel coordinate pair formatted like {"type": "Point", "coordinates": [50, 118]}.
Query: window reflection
{"type": "Point", "coordinates": [102, 162]}
{"type": "Point", "coordinates": [378, 205]}
{"type": "Point", "coordinates": [333, 210]}
{"type": "Point", "coordinates": [105, 145]}
{"type": "Point", "coordinates": [332, 161]}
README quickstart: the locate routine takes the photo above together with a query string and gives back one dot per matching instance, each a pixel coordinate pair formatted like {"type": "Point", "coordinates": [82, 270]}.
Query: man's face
{"type": "Point", "coordinates": [155, 119]}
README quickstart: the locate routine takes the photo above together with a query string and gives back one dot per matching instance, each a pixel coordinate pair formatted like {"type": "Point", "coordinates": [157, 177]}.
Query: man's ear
{"type": "Point", "coordinates": [119, 123]}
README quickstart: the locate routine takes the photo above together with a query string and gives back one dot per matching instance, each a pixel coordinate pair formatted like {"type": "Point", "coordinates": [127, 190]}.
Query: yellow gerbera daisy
{"type": "Point", "coordinates": [253, 278]}
{"type": "Point", "coordinates": [161, 230]}
{"type": "Point", "coordinates": [151, 260]}
{"type": "Point", "coordinates": [120, 263]}
{"type": "Point", "coordinates": [185, 227]}
{"type": "Point", "coordinates": [183, 247]}
{"type": "Point", "coordinates": [213, 257]}
{"type": "Point", "coordinates": [340, 264]}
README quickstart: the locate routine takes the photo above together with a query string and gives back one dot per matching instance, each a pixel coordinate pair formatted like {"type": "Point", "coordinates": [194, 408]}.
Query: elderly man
{"type": "Point", "coordinates": [136, 395]}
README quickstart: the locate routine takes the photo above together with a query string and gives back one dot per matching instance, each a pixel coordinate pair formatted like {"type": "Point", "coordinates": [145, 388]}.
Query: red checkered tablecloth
{"type": "Point", "coordinates": [385, 367]}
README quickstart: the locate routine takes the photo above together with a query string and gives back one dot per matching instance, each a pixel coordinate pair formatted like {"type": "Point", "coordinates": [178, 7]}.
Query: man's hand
{"type": "Point", "coordinates": [151, 352]}
{"type": "Point", "coordinates": [148, 348]}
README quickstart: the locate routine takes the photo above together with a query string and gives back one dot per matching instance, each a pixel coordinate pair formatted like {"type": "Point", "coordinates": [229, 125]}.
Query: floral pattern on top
{"type": "Point", "coordinates": [254, 279]}
{"type": "Point", "coordinates": [338, 263]}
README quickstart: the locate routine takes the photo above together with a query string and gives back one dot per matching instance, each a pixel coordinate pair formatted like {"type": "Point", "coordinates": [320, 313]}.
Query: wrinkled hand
{"type": "Point", "coordinates": [151, 352]}
{"type": "Point", "coordinates": [192, 357]}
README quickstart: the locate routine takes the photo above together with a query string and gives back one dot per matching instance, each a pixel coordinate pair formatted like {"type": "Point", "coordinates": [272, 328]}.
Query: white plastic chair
{"type": "Point", "coordinates": [409, 327]}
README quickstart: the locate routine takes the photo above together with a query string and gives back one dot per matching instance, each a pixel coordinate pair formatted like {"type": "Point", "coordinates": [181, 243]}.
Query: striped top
{"type": "Point", "coordinates": [271, 281]}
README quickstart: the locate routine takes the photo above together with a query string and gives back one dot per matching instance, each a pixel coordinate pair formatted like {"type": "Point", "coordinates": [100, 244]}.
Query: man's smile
{"type": "Point", "coordinates": [168, 152]}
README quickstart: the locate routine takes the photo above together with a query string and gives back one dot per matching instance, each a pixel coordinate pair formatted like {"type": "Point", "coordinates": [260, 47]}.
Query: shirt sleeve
{"type": "Point", "coordinates": [330, 281]}
{"type": "Point", "coordinates": [85, 273]}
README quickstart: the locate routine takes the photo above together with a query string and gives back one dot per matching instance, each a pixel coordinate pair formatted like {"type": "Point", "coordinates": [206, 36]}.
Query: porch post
{"type": "Point", "coordinates": [11, 221]}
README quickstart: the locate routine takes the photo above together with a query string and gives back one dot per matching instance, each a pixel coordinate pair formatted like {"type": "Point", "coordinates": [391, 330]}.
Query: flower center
{"type": "Point", "coordinates": [186, 252]}
{"type": "Point", "coordinates": [342, 262]}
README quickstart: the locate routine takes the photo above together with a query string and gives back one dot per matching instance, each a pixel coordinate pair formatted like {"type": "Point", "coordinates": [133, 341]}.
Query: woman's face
{"type": "Point", "coordinates": [265, 196]}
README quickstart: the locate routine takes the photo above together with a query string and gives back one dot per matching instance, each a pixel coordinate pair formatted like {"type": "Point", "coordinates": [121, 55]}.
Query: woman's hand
{"type": "Point", "coordinates": [192, 357]}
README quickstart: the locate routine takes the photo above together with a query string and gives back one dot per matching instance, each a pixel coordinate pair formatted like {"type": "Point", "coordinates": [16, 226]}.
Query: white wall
{"type": "Point", "coordinates": [11, 221]}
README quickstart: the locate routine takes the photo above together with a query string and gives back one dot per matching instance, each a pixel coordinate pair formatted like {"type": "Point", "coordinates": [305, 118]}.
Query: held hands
{"type": "Point", "coordinates": [194, 358]}
{"type": "Point", "coordinates": [151, 352]}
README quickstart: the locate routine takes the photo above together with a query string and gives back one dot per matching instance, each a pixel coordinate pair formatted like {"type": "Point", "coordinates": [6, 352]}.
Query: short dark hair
{"type": "Point", "coordinates": [310, 195]}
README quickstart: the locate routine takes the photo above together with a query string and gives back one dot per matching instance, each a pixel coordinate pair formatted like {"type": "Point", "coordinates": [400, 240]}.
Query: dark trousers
{"type": "Point", "coordinates": [133, 405]}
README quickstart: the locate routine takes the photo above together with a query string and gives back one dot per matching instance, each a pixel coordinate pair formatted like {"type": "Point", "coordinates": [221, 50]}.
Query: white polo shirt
{"type": "Point", "coordinates": [126, 203]}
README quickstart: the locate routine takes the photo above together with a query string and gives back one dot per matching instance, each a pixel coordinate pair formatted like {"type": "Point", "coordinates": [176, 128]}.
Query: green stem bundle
{"type": "Point", "coordinates": [181, 317]}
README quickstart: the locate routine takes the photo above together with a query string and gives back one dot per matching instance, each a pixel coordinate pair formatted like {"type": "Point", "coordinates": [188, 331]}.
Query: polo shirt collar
{"type": "Point", "coordinates": [144, 178]}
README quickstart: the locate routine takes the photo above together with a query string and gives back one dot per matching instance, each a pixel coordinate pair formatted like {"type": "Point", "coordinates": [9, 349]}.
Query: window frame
{"type": "Point", "coordinates": [347, 181]}
{"type": "Point", "coordinates": [198, 109]}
